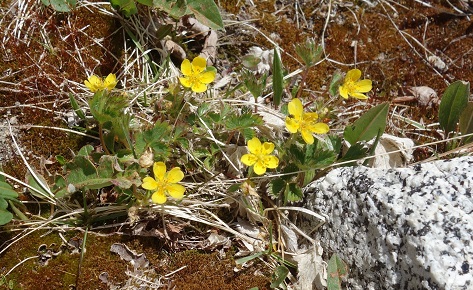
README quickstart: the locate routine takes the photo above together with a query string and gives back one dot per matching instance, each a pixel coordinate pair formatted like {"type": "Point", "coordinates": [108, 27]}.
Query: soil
{"type": "Point", "coordinates": [396, 45]}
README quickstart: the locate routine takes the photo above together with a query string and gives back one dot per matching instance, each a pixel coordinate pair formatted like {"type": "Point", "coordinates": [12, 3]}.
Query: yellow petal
{"type": "Point", "coordinates": [259, 168]}
{"type": "Point", "coordinates": [310, 117]}
{"type": "Point", "coordinates": [186, 67]}
{"type": "Point", "coordinates": [359, 96]}
{"type": "Point", "coordinates": [267, 148]}
{"type": "Point", "coordinates": [249, 159]}
{"type": "Point", "coordinates": [295, 108]}
{"type": "Point", "coordinates": [94, 83]}
{"type": "Point", "coordinates": [207, 77]}
{"type": "Point", "coordinates": [307, 136]}
{"type": "Point", "coordinates": [198, 87]}
{"type": "Point", "coordinates": [159, 197]}
{"type": "Point", "coordinates": [110, 81]}
{"type": "Point", "coordinates": [176, 190]}
{"type": "Point", "coordinates": [319, 128]}
{"type": "Point", "coordinates": [363, 86]}
{"type": "Point", "coordinates": [343, 90]}
{"type": "Point", "coordinates": [149, 183]}
{"type": "Point", "coordinates": [292, 125]}
{"type": "Point", "coordinates": [271, 161]}
{"type": "Point", "coordinates": [199, 64]}
{"type": "Point", "coordinates": [254, 146]}
{"type": "Point", "coordinates": [353, 75]}
{"type": "Point", "coordinates": [159, 170]}
{"type": "Point", "coordinates": [186, 82]}
{"type": "Point", "coordinates": [175, 175]}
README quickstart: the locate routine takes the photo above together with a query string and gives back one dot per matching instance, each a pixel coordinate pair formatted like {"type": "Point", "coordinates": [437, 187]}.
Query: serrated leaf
{"type": "Point", "coordinates": [336, 270]}
{"type": "Point", "coordinates": [355, 152]}
{"type": "Point", "coordinates": [466, 122]}
{"type": "Point", "coordinates": [292, 193]}
{"type": "Point", "coordinates": [368, 125]}
{"type": "Point", "coordinates": [276, 186]}
{"type": "Point", "coordinates": [454, 101]}
{"type": "Point", "coordinates": [248, 133]}
{"type": "Point", "coordinates": [278, 80]}
{"type": "Point", "coordinates": [308, 177]}
{"type": "Point", "coordinates": [206, 12]}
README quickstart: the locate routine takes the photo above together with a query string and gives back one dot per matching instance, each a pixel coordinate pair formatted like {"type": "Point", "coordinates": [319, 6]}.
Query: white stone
{"type": "Point", "coordinates": [404, 228]}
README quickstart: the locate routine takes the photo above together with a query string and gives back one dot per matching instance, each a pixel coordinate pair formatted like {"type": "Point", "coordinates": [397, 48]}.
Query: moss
{"type": "Point", "coordinates": [209, 271]}
{"type": "Point", "coordinates": [201, 270]}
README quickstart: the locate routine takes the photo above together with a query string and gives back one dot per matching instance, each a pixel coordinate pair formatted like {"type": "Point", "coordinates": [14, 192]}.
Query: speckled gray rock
{"type": "Point", "coordinates": [405, 228]}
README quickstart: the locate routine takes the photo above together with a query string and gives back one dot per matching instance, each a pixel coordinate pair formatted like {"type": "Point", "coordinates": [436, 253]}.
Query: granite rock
{"type": "Point", "coordinates": [404, 228]}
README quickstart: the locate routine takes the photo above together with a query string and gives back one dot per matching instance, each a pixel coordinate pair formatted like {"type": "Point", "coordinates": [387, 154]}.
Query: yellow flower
{"type": "Point", "coordinates": [164, 183]}
{"type": "Point", "coordinates": [94, 83]}
{"type": "Point", "coordinates": [110, 82]}
{"type": "Point", "coordinates": [196, 74]}
{"type": "Point", "coordinates": [306, 123]}
{"type": "Point", "coordinates": [353, 87]}
{"type": "Point", "coordinates": [259, 156]}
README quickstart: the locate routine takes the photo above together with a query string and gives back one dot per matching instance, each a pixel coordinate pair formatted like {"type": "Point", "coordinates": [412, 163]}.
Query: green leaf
{"type": "Point", "coordinates": [335, 84]}
{"type": "Point", "coordinates": [292, 193]}
{"type": "Point", "coordinates": [250, 61]}
{"type": "Point", "coordinates": [276, 186]}
{"type": "Point", "coordinates": [81, 169]}
{"type": "Point", "coordinates": [317, 157]}
{"type": "Point", "coordinates": [147, 3]}
{"type": "Point", "coordinates": [3, 203]}
{"type": "Point", "coordinates": [278, 81]}
{"type": "Point", "coordinates": [248, 258]}
{"type": "Point", "coordinates": [454, 101]}
{"type": "Point", "coordinates": [127, 7]}
{"type": "Point", "coordinates": [7, 191]}
{"type": "Point", "coordinates": [86, 150]}
{"type": "Point", "coordinates": [355, 152]}
{"type": "Point", "coordinates": [279, 275]}
{"type": "Point", "coordinates": [248, 133]}
{"type": "Point", "coordinates": [243, 121]}
{"type": "Point", "coordinates": [76, 107]}
{"type": "Point", "coordinates": [336, 269]}
{"type": "Point", "coordinates": [175, 8]}
{"type": "Point", "coordinates": [309, 176]}
{"type": "Point", "coordinates": [40, 191]}
{"type": "Point", "coordinates": [206, 12]}
{"type": "Point", "coordinates": [368, 125]}
{"type": "Point", "coordinates": [93, 183]}
{"type": "Point", "coordinates": [336, 143]}
{"type": "Point", "coordinates": [296, 154]}
{"type": "Point", "coordinates": [466, 122]}
{"type": "Point", "coordinates": [5, 217]}
{"type": "Point", "coordinates": [60, 5]}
